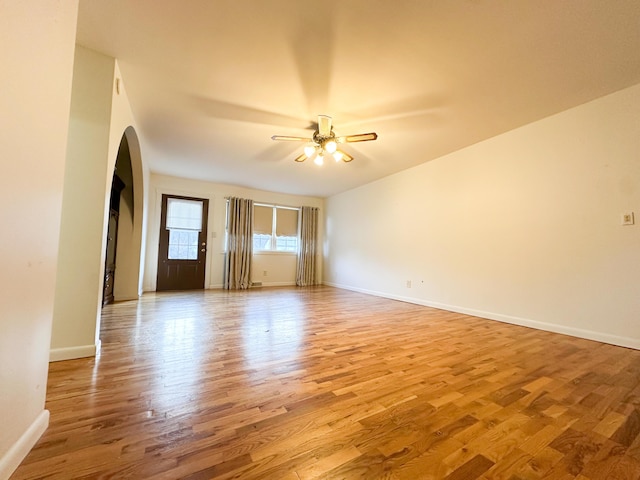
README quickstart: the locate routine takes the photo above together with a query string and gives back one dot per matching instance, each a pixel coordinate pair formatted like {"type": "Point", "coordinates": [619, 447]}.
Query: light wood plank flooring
{"type": "Point", "coordinates": [295, 384]}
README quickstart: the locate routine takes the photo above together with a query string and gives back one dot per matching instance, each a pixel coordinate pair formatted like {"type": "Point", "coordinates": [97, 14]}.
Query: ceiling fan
{"type": "Point", "coordinates": [324, 141]}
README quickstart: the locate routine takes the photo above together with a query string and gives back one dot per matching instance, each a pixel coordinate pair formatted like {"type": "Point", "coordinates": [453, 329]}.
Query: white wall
{"type": "Point", "coordinates": [280, 267]}
{"type": "Point", "coordinates": [36, 47]}
{"type": "Point", "coordinates": [100, 113]}
{"type": "Point", "coordinates": [129, 258]}
{"type": "Point", "coordinates": [523, 228]}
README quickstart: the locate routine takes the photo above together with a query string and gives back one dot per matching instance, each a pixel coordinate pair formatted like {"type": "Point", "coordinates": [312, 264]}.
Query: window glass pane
{"type": "Point", "coordinates": [183, 244]}
{"type": "Point", "coordinates": [184, 214]}
{"type": "Point", "coordinates": [287, 244]}
{"type": "Point", "coordinates": [261, 241]}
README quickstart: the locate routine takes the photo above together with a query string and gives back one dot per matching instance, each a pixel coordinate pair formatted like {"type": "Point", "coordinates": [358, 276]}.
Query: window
{"type": "Point", "coordinates": [184, 222]}
{"type": "Point", "coordinates": [275, 228]}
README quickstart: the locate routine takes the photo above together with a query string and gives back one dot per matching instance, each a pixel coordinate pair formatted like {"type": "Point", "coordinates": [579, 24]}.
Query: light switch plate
{"type": "Point", "coordinates": [627, 218]}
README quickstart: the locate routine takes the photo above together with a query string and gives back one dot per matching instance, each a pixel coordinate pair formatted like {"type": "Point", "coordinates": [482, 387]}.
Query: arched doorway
{"type": "Point", "coordinates": [123, 252]}
{"type": "Point", "coordinates": [121, 193]}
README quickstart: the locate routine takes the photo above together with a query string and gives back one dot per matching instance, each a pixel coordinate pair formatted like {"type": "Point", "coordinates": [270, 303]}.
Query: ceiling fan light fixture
{"type": "Point", "coordinates": [324, 141]}
{"type": "Point", "coordinates": [324, 125]}
{"type": "Point", "coordinates": [330, 146]}
{"type": "Point", "coordinates": [309, 150]}
{"type": "Point", "coordinates": [346, 158]}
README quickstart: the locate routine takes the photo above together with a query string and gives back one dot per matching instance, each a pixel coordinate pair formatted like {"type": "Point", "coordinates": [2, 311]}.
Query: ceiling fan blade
{"type": "Point", "coordinates": [290, 139]}
{"type": "Point", "coordinates": [360, 137]}
{"type": "Point", "coordinates": [324, 125]}
{"type": "Point", "coordinates": [345, 157]}
{"type": "Point", "coordinates": [301, 158]}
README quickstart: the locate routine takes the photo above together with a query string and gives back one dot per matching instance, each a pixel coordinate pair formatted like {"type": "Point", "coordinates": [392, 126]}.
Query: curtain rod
{"type": "Point", "coordinates": [264, 204]}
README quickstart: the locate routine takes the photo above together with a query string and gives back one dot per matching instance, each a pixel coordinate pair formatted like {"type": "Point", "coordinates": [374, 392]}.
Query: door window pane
{"type": "Point", "coordinates": [183, 244]}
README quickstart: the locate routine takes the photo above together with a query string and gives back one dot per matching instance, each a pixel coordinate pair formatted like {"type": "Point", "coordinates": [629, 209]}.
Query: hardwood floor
{"type": "Point", "coordinates": [294, 384]}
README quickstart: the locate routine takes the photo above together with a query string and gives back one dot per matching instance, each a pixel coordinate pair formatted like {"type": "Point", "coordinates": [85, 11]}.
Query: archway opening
{"type": "Point", "coordinates": [121, 197]}
{"type": "Point", "coordinates": [123, 256]}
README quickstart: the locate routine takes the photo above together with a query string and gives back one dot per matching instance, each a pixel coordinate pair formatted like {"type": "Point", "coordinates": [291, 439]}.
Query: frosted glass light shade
{"type": "Point", "coordinates": [331, 146]}
{"type": "Point", "coordinates": [309, 150]}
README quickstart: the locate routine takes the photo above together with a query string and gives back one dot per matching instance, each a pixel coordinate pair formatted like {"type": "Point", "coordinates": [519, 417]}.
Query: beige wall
{"type": "Point", "coordinates": [280, 267]}
{"type": "Point", "coordinates": [100, 114]}
{"type": "Point", "coordinates": [130, 255]}
{"type": "Point", "coordinates": [523, 228]}
{"type": "Point", "coordinates": [77, 301]}
{"type": "Point", "coordinates": [36, 47]}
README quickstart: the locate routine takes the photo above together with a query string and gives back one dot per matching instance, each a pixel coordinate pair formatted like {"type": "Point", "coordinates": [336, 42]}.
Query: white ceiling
{"type": "Point", "coordinates": [210, 81]}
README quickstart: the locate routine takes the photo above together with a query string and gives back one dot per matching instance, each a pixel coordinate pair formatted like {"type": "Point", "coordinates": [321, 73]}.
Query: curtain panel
{"type": "Point", "coordinates": [237, 272]}
{"type": "Point", "coordinates": [308, 249]}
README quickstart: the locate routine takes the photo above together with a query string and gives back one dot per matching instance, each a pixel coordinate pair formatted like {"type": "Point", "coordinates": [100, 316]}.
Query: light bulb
{"type": "Point", "coordinates": [309, 150]}
{"type": "Point", "coordinates": [319, 160]}
{"type": "Point", "coordinates": [331, 146]}
{"type": "Point", "coordinates": [338, 156]}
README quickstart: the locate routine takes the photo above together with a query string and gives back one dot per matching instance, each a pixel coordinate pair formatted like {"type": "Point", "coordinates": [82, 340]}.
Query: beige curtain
{"type": "Point", "coordinates": [237, 272]}
{"type": "Point", "coordinates": [306, 271]}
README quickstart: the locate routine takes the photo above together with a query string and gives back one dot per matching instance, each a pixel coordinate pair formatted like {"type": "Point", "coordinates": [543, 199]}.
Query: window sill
{"type": "Point", "coordinates": [273, 252]}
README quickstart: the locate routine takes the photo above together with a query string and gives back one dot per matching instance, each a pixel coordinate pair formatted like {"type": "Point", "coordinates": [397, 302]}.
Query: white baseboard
{"type": "Point", "coordinates": [524, 322]}
{"type": "Point", "coordinates": [19, 450]}
{"type": "Point", "coordinates": [278, 284]}
{"type": "Point", "coordinates": [262, 284]}
{"type": "Point", "coordinates": [70, 353]}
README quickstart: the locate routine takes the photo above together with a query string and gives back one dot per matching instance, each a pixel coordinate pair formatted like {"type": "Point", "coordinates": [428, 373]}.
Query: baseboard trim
{"type": "Point", "coordinates": [70, 353]}
{"type": "Point", "coordinates": [11, 460]}
{"type": "Point", "coordinates": [126, 298]}
{"type": "Point", "coordinates": [523, 322]}
{"type": "Point", "coordinates": [255, 285]}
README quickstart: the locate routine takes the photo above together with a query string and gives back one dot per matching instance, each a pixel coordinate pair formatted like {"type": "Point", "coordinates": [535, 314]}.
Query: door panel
{"type": "Point", "coordinates": [182, 247]}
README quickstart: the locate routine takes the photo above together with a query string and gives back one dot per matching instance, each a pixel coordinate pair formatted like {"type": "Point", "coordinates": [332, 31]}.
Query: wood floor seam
{"type": "Point", "coordinates": [321, 383]}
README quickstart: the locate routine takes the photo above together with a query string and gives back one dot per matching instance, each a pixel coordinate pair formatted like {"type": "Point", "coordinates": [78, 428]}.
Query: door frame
{"type": "Point", "coordinates": [162, 251]}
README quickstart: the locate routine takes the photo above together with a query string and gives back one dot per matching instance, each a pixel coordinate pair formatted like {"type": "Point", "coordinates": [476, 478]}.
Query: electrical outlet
{"type": "Point", "coordinates": [627, 218]}
{"type": "Point", "coordinates": [408, 283]}
{"type": "Point", "coordinates": [264, 273]}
